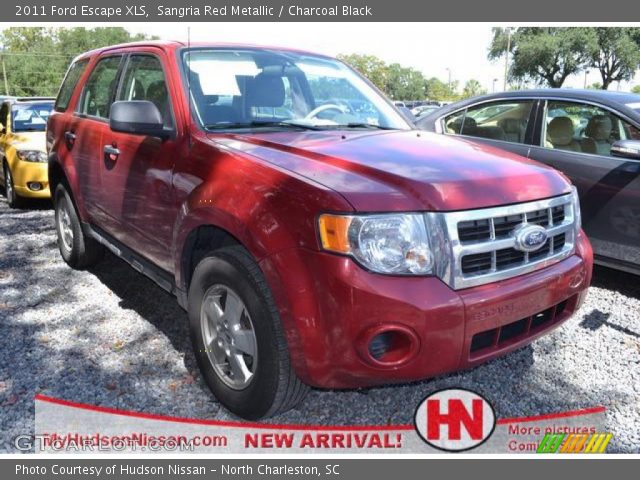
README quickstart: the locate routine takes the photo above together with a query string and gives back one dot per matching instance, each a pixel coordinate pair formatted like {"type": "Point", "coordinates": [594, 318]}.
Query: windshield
{"type": "Point", "coordinates": [233, 89]}
{"type": "Point", "coordinates": [30, 117]}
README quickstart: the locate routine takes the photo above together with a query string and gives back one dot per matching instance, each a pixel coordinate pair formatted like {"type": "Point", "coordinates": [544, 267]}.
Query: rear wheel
{"type": "Point", "coordinates": [77, 249]}
{"type": "Point", "coordinates": [237, 337]}
{"type": "Point", "coordinates": [13, 199]}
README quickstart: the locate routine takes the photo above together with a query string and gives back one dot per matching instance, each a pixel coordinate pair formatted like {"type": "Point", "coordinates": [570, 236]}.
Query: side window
{"type": "Point", "coordinates": [69, 84]}
{"type": "Point", "coordinates": [584, 128]}
{"type": "Point", "coordinates": [100, 88]}
{"type": "Point", "coordinates": [506, 121]}
{"type": "Point", "coordinates": [144, 80]}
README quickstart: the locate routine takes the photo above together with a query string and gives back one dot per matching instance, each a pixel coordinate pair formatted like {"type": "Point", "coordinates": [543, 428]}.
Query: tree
{"type": "Point", "coordinates": [544, 55]}
{"type": "Point", "coordinates": [33, 64]}
{"type": "Point", "coordinates": [473, 88]}
{"type": "Point", "coordinates": [370, 66]}
{"type": "Point", "coordinates": [636, 89]}
{"type": "Point", "coordinates": [404, 83]}
{"type": "Point", "coordinates": [615, 53]}
{"type": "Point", "coordinates": [36, 58]}
{"type": "Point", "coordinates": [436, 89]}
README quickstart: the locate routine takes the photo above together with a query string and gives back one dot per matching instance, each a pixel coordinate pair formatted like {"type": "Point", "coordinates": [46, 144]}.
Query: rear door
{"type": "Point", "coordinates": [137, 170]}
{"type": "Point", "coordinates": [506, 123]}
{"type": "Point", "coordinates": [576, 137]}
{"type": "Point", "coordinates": [85, 130]}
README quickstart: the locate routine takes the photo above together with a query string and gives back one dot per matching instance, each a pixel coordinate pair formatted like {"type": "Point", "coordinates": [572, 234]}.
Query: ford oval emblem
{"type": "Point", "coordinates": [530, 238]}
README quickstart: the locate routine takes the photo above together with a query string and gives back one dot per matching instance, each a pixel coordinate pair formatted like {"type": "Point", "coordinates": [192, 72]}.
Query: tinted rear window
{"type": "Point", "coordinates": [69, 84]}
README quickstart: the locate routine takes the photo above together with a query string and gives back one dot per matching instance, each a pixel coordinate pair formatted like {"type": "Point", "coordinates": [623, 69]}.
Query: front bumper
{"type": "Point", "coordinates": [332, 309]}
{"type": "Point", "coordinates": [30, 173]}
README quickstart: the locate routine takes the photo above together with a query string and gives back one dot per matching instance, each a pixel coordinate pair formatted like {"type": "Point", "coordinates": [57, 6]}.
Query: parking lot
{"type": "Point", "coordinates": [110, 337]}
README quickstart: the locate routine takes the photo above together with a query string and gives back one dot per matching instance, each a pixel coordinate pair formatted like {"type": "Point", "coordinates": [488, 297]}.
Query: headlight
{"type": "Point", "coordinates": [575, 200]}
{"type": "Point", "coordinates": [389, 243]}
{"type": "Point", "coordinates": [32, 156]}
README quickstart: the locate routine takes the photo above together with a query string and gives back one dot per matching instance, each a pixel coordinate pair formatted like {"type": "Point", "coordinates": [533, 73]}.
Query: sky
{"type": "Point", "coordinates": [433, 48]}
{"type": "Point", "coordinates": [436, 49]}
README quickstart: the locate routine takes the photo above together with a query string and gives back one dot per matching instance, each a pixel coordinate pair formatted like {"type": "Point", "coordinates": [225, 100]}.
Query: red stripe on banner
{"type": "Point", "coordinates": [267, 426]}
{"type": "Point", "coordinates": [552, 416]}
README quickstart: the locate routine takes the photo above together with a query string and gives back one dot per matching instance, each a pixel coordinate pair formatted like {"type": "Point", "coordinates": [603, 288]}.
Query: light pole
{"type": "Point", "coordinates": [449, 81]}
{"type": "Point", "coordinates": [586, 72]}
{"type": "Point", "coordinates": [494, 84]}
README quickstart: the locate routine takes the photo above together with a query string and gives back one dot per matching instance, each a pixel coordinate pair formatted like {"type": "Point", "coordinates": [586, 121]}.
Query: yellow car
{"type": "Point", "coordinates": [22, 148]}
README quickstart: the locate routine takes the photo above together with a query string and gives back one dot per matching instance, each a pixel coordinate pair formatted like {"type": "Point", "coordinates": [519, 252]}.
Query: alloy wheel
{"type": "Point", "coordinates": [229, 337]}
{"type": "Point", "coordinates": [65, 228]}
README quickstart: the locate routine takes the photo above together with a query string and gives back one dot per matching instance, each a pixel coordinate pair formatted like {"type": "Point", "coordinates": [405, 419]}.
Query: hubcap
{"type": "Point", "coordinates": [229, 338]}
{"type": "Point", "coordinates": [64, 226]}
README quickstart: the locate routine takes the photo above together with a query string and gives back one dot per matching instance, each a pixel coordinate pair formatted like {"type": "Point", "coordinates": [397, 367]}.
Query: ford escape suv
{"type": "Point", "coordinates": [313, 236]}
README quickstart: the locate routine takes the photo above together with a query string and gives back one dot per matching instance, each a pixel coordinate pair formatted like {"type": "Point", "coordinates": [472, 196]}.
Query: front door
{"type": "Point", "coordinates": [137, 170]}
{"type": "Point", "coordinates": [576, 139]}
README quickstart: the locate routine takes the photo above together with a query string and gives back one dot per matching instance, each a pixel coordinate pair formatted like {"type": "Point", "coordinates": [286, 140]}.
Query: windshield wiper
{"type": "Point", "coordinates": [362, 125]}
{"type": "Point", "coordinates": [258, 124]}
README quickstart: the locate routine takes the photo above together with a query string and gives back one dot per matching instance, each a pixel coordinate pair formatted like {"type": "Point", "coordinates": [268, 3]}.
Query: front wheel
{"type": "Point", "coordinates": [13, 199]}
{"type": "Point", "coordinates": [238, 339]}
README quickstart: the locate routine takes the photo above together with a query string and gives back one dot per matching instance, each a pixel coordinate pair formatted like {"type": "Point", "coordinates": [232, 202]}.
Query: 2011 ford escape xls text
{"type": "Point", "coordinates": [312, 235]}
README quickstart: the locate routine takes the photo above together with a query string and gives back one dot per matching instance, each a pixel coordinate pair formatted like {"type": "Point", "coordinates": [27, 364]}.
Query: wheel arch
{"type": "Point", "coordinates": [61, 172]}
{"type": "Point", "coordinates": [200, 241]}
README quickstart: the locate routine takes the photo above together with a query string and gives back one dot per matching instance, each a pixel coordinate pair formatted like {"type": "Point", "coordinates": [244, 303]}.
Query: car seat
{"type": "Point", "coordinates": [514, 129]}
{"type": "Point", "coordinates": [598, 132]}
{"type": "Point", "coordinates": [560, 134]}
{"type": "Point", "coordinates": [210, 112]}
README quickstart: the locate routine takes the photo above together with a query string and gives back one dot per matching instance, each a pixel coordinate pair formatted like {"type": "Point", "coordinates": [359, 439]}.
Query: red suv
{"type": "Point", "coordinates": [313, 236]}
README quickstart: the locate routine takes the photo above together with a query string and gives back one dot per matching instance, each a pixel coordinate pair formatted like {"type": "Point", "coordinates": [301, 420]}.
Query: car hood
{"type": "Point", "coordinates": [29, 141]}
{"type": "Point", "coordinates": [404, 170]}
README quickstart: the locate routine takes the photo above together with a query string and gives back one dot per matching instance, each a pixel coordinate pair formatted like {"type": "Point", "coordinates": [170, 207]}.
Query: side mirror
{"type": "Point", "coordinates": [626, 149]}
{"type": "Point", "coordinates": [139, 117]}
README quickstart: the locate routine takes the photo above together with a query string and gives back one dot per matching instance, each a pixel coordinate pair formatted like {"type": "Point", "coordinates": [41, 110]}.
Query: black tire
{"type": "Point", "coordinates": [80, 251]}
{"type": "Point", "coordinates": [274, 388]}
{"type": "Point", "coordinates": [13, 199]}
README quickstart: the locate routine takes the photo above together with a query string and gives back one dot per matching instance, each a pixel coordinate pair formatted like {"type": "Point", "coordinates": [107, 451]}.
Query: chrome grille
{"type": "Point", "coordinates": [482, 242]}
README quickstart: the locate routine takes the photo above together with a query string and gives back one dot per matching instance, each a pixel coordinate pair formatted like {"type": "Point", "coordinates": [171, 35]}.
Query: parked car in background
{"type": "Point", "coordinates": [23, 148]}
{"type": "Point", "coordinates": [424, 110]}
{"type": "Point", "coordinates": [330, 244]}
{"type": "Point", "coordinates": [592, 136]}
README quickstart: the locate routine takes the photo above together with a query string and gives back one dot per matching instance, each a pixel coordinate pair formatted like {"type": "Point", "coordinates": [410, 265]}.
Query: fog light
{"type": "Point", "coordinates": [389, 345]}
{"type": "Point", "coordinates": [380, 345]}
{"type": "Point", "coordinates": [35, 186]}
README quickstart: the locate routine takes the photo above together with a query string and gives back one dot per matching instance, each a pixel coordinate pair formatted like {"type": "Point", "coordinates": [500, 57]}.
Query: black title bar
{"type": "Point", "coordinates": [321, 10]}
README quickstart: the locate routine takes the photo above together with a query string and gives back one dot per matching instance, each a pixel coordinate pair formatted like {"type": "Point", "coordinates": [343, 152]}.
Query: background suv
{"type": "Point", "coordinates": [313, 236]}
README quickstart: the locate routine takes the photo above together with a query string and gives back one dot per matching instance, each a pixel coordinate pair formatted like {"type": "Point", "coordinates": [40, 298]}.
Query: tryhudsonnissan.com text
{"type": "Point", "coordinates": [36, 10]}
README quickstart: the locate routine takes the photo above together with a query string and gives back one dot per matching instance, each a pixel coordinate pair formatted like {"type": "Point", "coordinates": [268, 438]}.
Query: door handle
{"type": "Point", "coordinates": [111, 152]}
{"type": "Point", "coordinates": [70, 138]}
